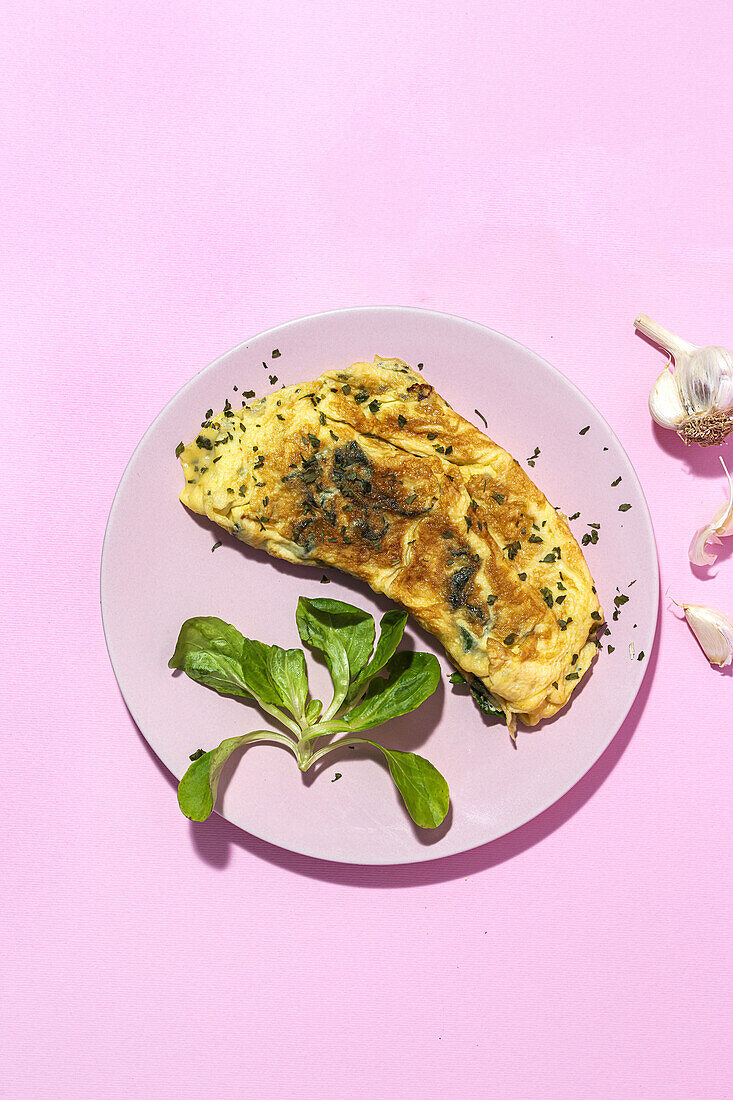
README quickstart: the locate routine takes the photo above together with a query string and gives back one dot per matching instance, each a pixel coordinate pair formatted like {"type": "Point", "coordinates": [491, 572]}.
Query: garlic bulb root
{"type": "Point", "coordinates": [710, 430]}
{"type": "Point", "coordinates": [696, 399]}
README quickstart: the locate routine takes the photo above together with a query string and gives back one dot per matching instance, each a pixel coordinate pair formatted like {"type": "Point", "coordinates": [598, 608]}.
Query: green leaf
{"type": "Point", "coordinates": [481, 697]}
{"type": "Point", "coordinates": [322, 623]}
{"type": "Point", "coordinates": [424, 790]}
{"type": "Point", "coordinates": [214, 653]}
{"type": "Point", "coordinates": [484, 701]}
{"type": "Point", "coordinates": [343, 634]}
{"type": "Point", "coordinates": [210, 651]}
{"type": "Point", "coordinates": [197, 790]}
{"type": "Point", "coordinates": [391, 629]}
{"type": "Point", "coordinates": [287, 671]}
{"type": "Point", "coordinates": [411, 679]}
{"type": "Point", "coordinates": [313, 711]}
{"type": "Point", "coordinates": [256, 670]}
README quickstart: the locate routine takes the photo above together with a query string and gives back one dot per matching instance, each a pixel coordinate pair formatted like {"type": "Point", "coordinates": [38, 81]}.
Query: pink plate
{"type": "Point", "coordinates": [158, 569]}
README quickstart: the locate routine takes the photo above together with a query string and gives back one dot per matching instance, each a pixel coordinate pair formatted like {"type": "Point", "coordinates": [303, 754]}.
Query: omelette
{"type": "Point", "coordinates": [370, 471]}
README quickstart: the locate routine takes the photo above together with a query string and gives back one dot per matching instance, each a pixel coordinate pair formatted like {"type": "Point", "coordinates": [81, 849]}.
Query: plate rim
{"type": "Point", "coordinates": [424, 855]}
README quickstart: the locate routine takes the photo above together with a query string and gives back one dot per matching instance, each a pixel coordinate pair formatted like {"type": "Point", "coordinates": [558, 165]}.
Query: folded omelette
{"type": "Point", "coordinates": [370, 471]}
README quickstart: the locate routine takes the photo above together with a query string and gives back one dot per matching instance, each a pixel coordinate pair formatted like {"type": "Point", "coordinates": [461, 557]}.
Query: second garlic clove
{"type": "Point", "coordinates": [720, 525]}
{"type": "Point", "coordinates": [713, 630]}
{"type": "Point", "coordinates": [665, 403]}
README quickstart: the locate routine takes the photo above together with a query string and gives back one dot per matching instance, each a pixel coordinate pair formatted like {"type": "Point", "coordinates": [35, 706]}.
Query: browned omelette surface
{"type": "Point", "coordinates": [369, 470]}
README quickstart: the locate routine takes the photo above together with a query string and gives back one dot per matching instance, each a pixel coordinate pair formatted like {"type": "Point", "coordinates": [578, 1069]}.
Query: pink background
{"type": "Point", "coordinates": [176, 179]}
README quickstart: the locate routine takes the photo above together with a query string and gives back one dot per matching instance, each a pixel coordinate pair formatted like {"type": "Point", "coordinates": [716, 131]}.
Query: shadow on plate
{"type": "Point", "coordinates": [308, 573]}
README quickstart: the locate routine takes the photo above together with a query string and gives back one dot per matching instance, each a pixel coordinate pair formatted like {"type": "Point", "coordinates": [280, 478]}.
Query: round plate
{"type": "Point", "coordinates": [158, 569]}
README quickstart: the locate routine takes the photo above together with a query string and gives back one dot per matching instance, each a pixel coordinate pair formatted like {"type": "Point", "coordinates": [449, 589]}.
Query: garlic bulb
{"type": "Point", "coordinates": [713, 630]}
{"type": "Point", "coordinates": [696, 400]}
{"type": "Point", "coordinates": [721, 524]}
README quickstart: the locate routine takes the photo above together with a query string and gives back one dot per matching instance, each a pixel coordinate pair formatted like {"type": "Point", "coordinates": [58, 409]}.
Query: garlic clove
{"type": "Point", "coordinates": [705, 380]}
{"type": "Point", "coordinates": [720, 525]}
{"type": "Point", "coordinates": [713, 630]}
{"type": "Point", "coordinates": [722, 521]}
{"type": "Point", "coordinates": [698, 552]}
{"type": "Point", "coordinates": [665, 403]}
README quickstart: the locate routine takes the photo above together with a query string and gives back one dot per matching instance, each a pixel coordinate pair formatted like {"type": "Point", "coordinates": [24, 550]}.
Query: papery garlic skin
{"type": "Point", "coordinates": [705, 380]}
{"type": "Point", "coordinates": [713, 630]}
{"type": "Point", "coordinates": [720, 525]}
{"type": "Point", "coordinates": [698, 552]}
{"type": "Point", "coordinates": [696, 400]}
{"type": "Point", "coordinates": [722, 521]}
